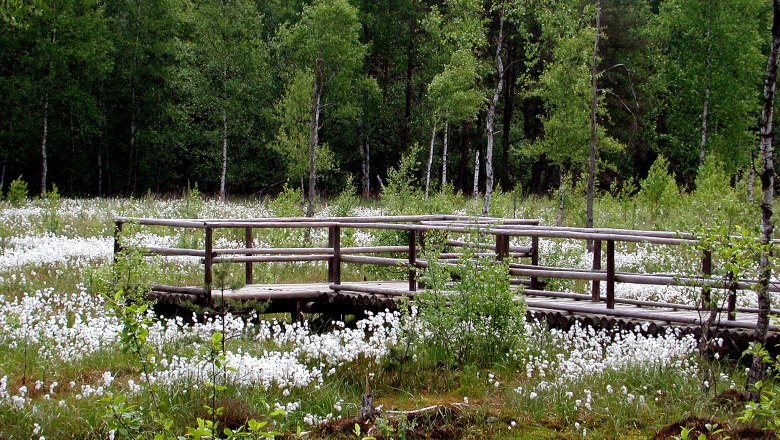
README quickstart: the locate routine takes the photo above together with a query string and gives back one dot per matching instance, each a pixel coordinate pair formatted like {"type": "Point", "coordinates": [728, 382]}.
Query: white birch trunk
{"type": "Point", "coordinates": [561, 189]}
{"type": "Point", "coordinates": [314, 137]}
{"type": "Point", "coordinates": [476, 180]}
{"type": "Point", "coordinates": [223, 176]}
{"type": "Point", "coordinates": [444, 153]}
{"type": "Point", "coordinates": [44, 140]}
{"type": "Point", "coordinates": [365, 162]}
{"type": "Point", "coordinates": [490, 121]}
{"type": "Point", "coordinates": [705, 113]}
{"type": "Point", "coordinates": [430, 160]}
{"type": "Point", "coordinates": [757, 370]}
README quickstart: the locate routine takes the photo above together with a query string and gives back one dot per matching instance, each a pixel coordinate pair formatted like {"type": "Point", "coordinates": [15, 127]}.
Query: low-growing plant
{"type": "Point", "coordinates": [766, 411]}
{"type": "Point", "coordinates": [17, 192]}
{"type": "Point", "coordinates": [476, 319]}
{"type": "Point", "coordinates": [50, 216]}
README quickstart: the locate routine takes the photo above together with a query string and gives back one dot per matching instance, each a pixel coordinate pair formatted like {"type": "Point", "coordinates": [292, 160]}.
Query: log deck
{"type": "Point", "coordinates": [557, 308]}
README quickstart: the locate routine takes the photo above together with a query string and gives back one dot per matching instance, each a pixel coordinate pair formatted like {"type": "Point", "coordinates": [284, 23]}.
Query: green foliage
{"type": "Point", "coordinates": [475, 320]}
{"type": "Point", "coordinates": [17, 192]}
{"type": "Point", "coordinates": [50, 216]}
{"type": "Point", "coordinates": [767, 410]}
{"type": "Point", "coordinates": [400, 191]}
{"type": "Point", "coordinates": [716, 201]}
{"type": "Point", "coordinates": [659, 191]}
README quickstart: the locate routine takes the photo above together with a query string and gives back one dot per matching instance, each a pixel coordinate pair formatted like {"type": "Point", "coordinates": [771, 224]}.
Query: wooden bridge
{"type": "Point", "coordinates": [496, 237]}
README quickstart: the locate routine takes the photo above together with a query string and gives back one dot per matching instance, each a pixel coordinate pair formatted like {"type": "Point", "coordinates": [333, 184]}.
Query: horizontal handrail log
{"type": "Point", "coordinates": [374, 249]}
{"type": "Point", "coordinates": [270, 258]}
{"type": "Point", "coordinates": [485, 220]}
{"type": "Point", "coordinates": [274, 251]}
{"type": "Point", "coordinates": [492, 247]}
{"type": "Point", "coordinates": [379, 261]}
{"type": "Point", "coordinates": [639, 314]}
{"type": "Point", "coordinates": [559, 274]}
{"type": "Point", "coordinates": [173, 252]}
{"type": "Point", "coordinates": [674, 280]}
{"type": "Point", "coordinates": [177, 289]}
{"type": "Point", "coordinates": [636, 302]}
{"type": "Point", "coordinates": [347, 287]}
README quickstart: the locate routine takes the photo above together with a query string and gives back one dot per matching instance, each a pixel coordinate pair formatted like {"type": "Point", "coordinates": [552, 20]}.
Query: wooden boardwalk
{"type": "Point", "coordinates": [561, 310]}
{"type": "Point", "coordinates": [407, 254]}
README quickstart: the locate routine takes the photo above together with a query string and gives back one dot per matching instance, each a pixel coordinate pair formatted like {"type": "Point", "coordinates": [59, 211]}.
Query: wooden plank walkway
{"type": "Point", "coordinates": [356, 295]}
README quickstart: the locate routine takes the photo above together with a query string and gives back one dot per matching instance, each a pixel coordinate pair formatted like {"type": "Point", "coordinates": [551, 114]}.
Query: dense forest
{"type": "Point", "coordinates": [121, 97]}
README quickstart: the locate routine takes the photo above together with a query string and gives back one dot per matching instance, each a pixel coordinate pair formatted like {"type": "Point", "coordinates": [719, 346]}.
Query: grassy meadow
{"type": "Point", "coordinates": [82, 359]}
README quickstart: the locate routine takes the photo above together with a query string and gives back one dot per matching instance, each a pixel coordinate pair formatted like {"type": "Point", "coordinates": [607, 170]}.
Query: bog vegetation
{"type": "Point", "coordinates": [85, 356]}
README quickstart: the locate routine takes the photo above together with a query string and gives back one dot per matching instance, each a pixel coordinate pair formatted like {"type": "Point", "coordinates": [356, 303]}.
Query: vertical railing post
{"type": "Point", "coordinates": [412, 260]}
{"type": "Point", "coordinates": [334, 264]}
{"type": "Point", "coordinates": [706, 270]}
{"type": "Point", "coordinates": [249, 242]}
{"type": "Point", "coordinates": [207, 263]}
{"type": "Point", "coordinates": [610, 274]}
{"type": "Point", "coordinates": [534, 260]}
{"type": "Point", "coordinates": [117, 238]}
{"type": "Point", "coordinates": [502, 247]}
{"type": "Point", "coordinates": [731, 307]}
{"type": "Point", "coordinates": [595, 291]}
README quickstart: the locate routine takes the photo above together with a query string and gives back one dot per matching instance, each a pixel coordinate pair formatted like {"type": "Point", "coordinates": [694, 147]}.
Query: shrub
{"type": "Point", "coordinates": [473, 321]}
{"type": "Point", "coordinates": [17, 192]}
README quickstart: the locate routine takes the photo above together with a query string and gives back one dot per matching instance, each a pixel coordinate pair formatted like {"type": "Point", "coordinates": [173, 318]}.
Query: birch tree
{"type": "Point", "coordinates": [325, 44]}
{"type": "Point", "coordinates": [226, 71]}
{"type": "Point", "coordinates": [709, 62]}
{"type": "Point", "coordinates": [767, 175]}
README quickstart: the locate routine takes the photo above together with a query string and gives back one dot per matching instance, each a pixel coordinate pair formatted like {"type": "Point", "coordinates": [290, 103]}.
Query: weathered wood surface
{"type": "Point", "coordinates": [386, 294]}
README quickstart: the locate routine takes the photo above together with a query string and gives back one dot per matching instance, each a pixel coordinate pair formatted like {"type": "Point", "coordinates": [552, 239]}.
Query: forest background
{"type": "Point", "coordinates": [124, 97]}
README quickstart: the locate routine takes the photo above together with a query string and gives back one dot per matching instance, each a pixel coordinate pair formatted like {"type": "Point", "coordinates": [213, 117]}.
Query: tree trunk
{"type": "Point", "coordinates": [444, 153]}
{"type": "Point", "coordinates": [490, 121]}
{"type": "Point", "coordinates": [475, 191]}
{"type": "Point", "coordinates": [364, 166]}
{"type": "Point", "coordinates": [430, 160]}
{"type": "Point", "coordinates": [314, 136]}
{"type": "Point", "coordinates": [767, 175]}
{"type": "Point", "coordinates": [2, 175]}
{"type": "Point", "coordinates": [223, 176]}
{"type": "Point", "coordinates": [506, 129]}
{"type": "Point", "coordinates": [133, 177]}
{"type": "Point", "coordinates": [593, 150]}
{"type": "Point", "coordinates": [561, 185]}
{"type": "Point", "coordinates": [751, 182]}
{"type": "Point", "coordinates": [408, 92]}
{"type": "Point", "coordinates": [44, 140]}
{"type": "Point", "coordinates": [463, 165]}
{"type": "Point", "coordinates": [705, 112]}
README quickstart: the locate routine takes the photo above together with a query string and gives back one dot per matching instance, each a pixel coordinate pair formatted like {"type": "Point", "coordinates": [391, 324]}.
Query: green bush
{"type": "Point", "coordinates": [474, 320]}
{"type": "Point", "coordinates": [659, 191]}
{"type": "Point", "coordinates": [17, 192]}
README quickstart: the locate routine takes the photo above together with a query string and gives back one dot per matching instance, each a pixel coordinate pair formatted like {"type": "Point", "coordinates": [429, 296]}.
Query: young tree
{"type": "Point", "coordinates": [226, 71]}
{"type": "Point", "coordinates": [453, 93]}
{"type": "Point", "coordinates": [567, 88]}
{"type": "Point", "coordinates": [767, 176]}
{"type": "Point", "coordinates": [709, 59]}
{"type": "Point", "coordinates": [324, 44]}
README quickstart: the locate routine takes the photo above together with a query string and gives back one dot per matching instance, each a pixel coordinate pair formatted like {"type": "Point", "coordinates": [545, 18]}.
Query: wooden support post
{"type": "Point", "coordinates": [502, 247]}
{"type": "Point", "coordinates": [731, 307]}
{"type": "Point", "coordinates": [595, 291]}
{"type": "Point", "coordinates": [412, 261]}
{"type": "Point", "coordinates": [706, 270]}
{"type": "Point", "coordinates": [535, 261]}
{"type": "Point", "coordinates": [334, 264]}
{"type": "Point", "coordinates": [296, 315]}
{"type": "Point", "coordinates": [207, 263]}
{"type": "Point", "coordinates": [117, 239]}
{"type": "Point", "coordinates": [610, 274]}
{"type": "Point", "coordinates": [249, 242]}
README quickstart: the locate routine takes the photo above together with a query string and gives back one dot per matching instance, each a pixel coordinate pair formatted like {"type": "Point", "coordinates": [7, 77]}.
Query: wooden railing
{"type": "Point", "coordinates": [602, 269]}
